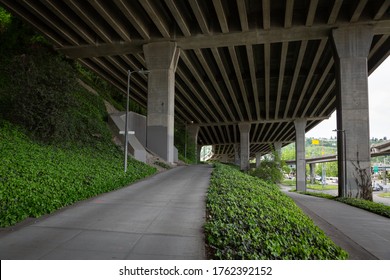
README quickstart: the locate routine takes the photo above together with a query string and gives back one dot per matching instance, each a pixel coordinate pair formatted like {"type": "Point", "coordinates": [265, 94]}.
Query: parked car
{"type": "Point", "coordinates": [377, 187]}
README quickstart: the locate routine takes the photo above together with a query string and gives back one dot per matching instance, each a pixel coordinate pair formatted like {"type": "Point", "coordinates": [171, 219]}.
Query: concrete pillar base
{"type": "Point", "coordinates": [244, 145]}
{"type": "Point", "coordinates": [352, 46]}
{"type": "Point", "coordinates": [237, 154]}
{"type": "Point", "coordinates": [258, 160]}
{"type": "Point", "coordinates": [161, 60]}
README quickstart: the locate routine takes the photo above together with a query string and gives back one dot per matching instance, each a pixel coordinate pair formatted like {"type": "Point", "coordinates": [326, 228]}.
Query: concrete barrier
{"type": "Point", "coordinates": [136, 123]}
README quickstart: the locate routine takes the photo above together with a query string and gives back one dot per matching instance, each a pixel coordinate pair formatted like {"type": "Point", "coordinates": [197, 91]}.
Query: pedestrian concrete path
{"type": "Point", "coordinates": [157, 218]}
{"type": "Point", "coordinates": [364, 235]}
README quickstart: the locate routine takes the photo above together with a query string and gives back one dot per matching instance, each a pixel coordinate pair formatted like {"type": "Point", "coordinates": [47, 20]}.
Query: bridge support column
{"type": "Point", "coordinates": [258, 160]}
{"type": "Point", "coordinates": [161, 60]}
{"type": "Point", "coordinates": [351, 46]}
{"type": "Point", "coordinates": [237, 154]}
{"type": "Point", "coordinates": [224, 158]}
{"type": "Point", "coordinates": [193, 131]}
{"type": "Point", "coordinates": [244, 145]}
{"type": "Point", "coordinates": [300, 125]}
{"type": "Point", "coordinates": [312, 172]}
{"type": "Point", "coordinates": [278, 149]}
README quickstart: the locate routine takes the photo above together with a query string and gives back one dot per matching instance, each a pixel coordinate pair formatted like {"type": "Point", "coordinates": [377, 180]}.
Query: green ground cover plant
{"type": "Point", "coordinates": [37, 179]}
{"type": "Point", "coordinates": [374, 207]}
{"type": "Point", "coordinates": [55, 145]}
{"type": "Point", "coordinates": [321, 187]}
{"type": "Point", "coordinates": [317, 194]}
{"type": "Point", "coordinates": [377, 208]}
{"type": "Point", "coordinates": [289, 182]}
{"type": "Point", "coordinates": [248, 218]}
{"type": "Point", "coordinates": [384, 195]}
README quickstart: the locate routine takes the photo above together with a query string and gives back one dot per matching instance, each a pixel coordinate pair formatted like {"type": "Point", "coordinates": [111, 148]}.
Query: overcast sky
{"type": "Point", "coordinates": [379, 106]}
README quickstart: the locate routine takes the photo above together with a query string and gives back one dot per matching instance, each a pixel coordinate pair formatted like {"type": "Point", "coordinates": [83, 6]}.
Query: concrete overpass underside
{"type": "Point", "coordinates": [274, 66]}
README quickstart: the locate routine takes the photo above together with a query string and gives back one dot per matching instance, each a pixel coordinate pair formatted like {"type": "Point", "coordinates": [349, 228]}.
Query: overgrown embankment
{"type": "Point", "coordinates": [55, 145]}
{"type": "Point", "coordinates": [251, 219]}
{"type": "Point", "coordinates": [37, 179]}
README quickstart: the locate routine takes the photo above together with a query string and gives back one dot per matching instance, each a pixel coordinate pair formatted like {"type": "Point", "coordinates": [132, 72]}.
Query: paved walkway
{"type": "Point", "coordinates": [157, 218]}
{"type": "Point", "coordinates": [364, 235]}
{"type": "Point", "coordinates": [162, 218]}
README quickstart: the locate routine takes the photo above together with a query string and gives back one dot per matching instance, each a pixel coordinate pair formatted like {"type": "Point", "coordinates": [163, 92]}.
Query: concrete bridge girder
{"type": "Point", "coordinates": [297, 66]}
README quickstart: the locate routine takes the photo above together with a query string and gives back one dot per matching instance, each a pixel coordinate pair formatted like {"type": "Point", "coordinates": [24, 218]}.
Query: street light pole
{"type": "Point", "coordinates": [344, 146]}
{"type": "Point", "coordinates": [129, 72]}
{"type": "Point", "coordinates": [185, 142]}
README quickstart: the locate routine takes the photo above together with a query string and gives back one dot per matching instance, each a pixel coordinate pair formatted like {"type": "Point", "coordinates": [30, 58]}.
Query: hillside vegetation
{"type": "Point", "coordinates": [55, 145]}
{"type": "Point", "coordinates": [37, 179]}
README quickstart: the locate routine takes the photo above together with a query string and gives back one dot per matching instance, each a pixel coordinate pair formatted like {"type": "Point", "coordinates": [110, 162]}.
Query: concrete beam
{"type": "Point", "coordinates": [161, 60]}
{"type": "Point", "coordinates": [252, 37]}
{"type": "Point", "coordinates": [351, 49]}
{"type": "Point", "coordinates": [300, 125]}
{"type": "Point", "coordinates": [262, 121]}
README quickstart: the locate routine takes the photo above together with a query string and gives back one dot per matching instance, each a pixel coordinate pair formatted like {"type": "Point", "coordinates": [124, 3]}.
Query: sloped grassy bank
{"type": "Point", "coordinates": [37, 179]}
{"type": "Point", "coordinates": [251, 219]}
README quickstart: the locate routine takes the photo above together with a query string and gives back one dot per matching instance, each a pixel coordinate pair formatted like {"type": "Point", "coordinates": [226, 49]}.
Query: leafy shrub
{"type": "Point", "coordinates": [40, 93]}
{"type": "Point", "coordinates": [39, 179]}
{"type": "Point", "coordinates": [270, 170]}
{"type": "Point", "coordinates": [251, 219]}
{"type": "Point", "coordinates": [5, 19]}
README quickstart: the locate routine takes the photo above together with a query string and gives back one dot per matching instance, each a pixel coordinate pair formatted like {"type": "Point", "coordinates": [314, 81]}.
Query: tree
{"type": "Point", "coordinates": [270, 169]}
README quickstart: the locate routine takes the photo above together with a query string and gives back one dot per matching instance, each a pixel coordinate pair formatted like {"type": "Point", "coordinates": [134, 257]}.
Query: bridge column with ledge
{"type": "Point", "coordinates": [300, 125]}
{"type": "Point", "coordinates": [161, 60]}
{"type": "Point", "coordinates": [351, 49]}
{"type": "Point", "coordinates": [244, 145]}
